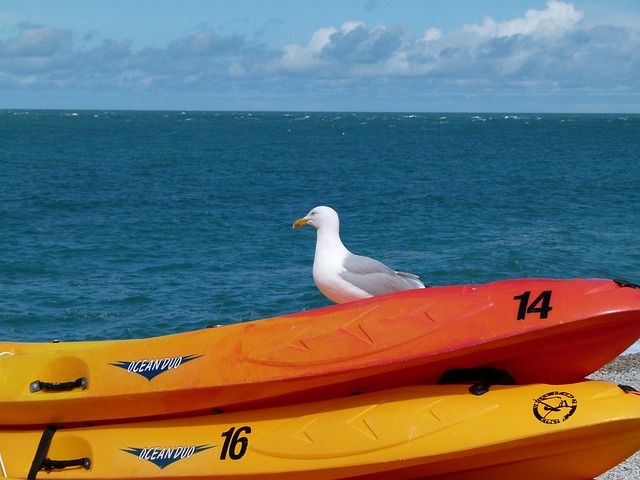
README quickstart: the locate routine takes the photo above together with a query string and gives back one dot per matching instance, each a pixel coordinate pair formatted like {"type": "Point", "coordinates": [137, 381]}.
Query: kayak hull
{"type": "Point", "coordinates": [552, 331]}
{"type": "Point", "coordinates": [574, 431]}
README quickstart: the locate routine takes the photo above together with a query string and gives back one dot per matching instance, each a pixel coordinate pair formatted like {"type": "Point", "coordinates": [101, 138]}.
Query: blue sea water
{"type": "Point", "coordinates": [126, 224]}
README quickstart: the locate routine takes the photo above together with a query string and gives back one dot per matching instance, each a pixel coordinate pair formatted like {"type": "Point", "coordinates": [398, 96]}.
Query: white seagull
{"type": "Point", "coordinates": [342, 276]}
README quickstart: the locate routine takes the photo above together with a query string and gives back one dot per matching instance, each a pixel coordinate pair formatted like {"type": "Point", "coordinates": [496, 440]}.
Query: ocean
{"type": "Point", "coordinates": [130, 224]}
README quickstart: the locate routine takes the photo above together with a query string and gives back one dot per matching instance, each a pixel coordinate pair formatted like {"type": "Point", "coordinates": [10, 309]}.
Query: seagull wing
{"type": "Point", "coordinates": [376, 278]}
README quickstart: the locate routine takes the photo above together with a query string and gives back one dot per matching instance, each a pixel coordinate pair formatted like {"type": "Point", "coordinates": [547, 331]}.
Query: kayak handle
{"type": "Point", "coordinates": [48, 465]}
{"type": "Point", "coordinates": [38, 385]}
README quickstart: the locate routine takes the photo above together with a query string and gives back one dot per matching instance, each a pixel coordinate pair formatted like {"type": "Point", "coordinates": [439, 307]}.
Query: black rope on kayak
{"type": "Point", "coordinates": [40, 462]}
{"type": "Point", "coordinates": [624, 283]}
{"type": "Point", "coordinates": [627, 388]}
{"type": "Point", "coordinates": [482, 378]}
{"type": "Point", "coordinates": [38, 385]}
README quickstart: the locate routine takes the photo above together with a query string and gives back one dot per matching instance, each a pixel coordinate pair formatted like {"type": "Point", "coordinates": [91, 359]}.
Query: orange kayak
{"type": "Point", "coordinates": [537, 330]}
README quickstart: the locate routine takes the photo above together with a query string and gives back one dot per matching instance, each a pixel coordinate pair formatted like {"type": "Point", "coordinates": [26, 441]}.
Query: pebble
{"type": "Point", "coordinates": [624, 370]}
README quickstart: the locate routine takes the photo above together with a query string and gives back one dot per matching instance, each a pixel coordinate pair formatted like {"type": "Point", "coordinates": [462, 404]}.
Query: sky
{"type": "Point", "coordinates": [322, 55]}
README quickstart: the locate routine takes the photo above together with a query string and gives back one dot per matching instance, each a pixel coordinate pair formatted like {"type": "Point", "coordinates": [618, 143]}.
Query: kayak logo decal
{"type": "Point", "coordinates": [554, 407]}
{"type": "Point", "coordinates": [162, 457]}
{"type": "Point", "coordinates": [151, 368]}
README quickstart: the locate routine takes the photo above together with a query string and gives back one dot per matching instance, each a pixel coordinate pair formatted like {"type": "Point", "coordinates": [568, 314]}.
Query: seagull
{"type": "Point", "coordinates": [342, 276]}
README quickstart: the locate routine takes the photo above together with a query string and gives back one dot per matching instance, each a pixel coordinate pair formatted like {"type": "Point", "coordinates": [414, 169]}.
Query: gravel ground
{"type": "Point", "coordinates": [623, 370]}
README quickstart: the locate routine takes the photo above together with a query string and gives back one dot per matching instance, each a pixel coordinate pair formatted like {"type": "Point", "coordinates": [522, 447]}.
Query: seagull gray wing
{"type": "Point", "coordinates": [376, 278]}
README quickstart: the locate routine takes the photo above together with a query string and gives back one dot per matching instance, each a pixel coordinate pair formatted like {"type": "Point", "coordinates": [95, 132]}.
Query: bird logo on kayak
{"type": "Point", "coordinates": [554, 407]}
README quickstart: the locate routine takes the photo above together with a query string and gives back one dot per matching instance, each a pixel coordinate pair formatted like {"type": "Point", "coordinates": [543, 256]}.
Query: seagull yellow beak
{"type": "Point", "coordinates": [301, 222]}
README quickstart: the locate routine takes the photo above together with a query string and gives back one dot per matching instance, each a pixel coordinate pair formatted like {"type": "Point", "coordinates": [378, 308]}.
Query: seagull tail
{"type": "Point", "coordinates": [412, 279]}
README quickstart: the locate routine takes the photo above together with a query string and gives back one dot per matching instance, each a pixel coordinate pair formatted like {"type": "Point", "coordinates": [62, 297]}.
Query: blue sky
{"type": "Point", "coordinates": [329, 55]}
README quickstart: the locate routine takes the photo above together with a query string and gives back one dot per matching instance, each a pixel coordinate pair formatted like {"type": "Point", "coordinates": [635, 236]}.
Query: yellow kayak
{"type": "Point", "coordinates": [574, 431]}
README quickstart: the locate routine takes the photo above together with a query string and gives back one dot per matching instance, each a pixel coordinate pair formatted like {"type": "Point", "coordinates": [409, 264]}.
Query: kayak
{"type": "Point", "coordinates": [537, 330]}
{"type": "Point", "coordinates": [575, 431]}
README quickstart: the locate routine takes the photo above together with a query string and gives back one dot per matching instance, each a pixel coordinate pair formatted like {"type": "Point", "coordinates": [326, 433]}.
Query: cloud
{"type": "Point", "coordinates": [296, 58]}
{"type": "Point", "coordinates": [332, 51]}
{"type": "Point", "coordinates": [556, 20]}
{"type": "Point", "coordinates": [36, 49]}
{"type": "Point", "coordinates": [544, 50]}
{"type": "Point", "coordinates": [496, 49]}
{"type": "Point", "coordinates": [207, 44]}
{"type": "Point", "coordinates": [34, 41]}
{"type": "Point", "coordinates": [550, 48]}
{"type": "Point", "coordinates": [356, 44]}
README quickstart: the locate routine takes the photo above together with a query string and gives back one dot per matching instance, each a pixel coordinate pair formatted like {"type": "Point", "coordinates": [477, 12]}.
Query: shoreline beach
{"type": "Point", "coordinates": [624, 370]}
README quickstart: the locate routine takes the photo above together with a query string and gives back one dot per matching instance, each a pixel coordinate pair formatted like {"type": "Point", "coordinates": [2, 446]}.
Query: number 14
{"type": "Point", "coordinates": [540, 305]}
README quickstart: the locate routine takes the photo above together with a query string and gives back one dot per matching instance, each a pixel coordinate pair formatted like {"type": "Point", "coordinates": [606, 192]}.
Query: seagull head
{"type": "Point", "coordinates": [320, 217]}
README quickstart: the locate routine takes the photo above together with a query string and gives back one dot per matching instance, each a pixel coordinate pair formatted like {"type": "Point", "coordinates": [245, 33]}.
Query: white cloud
{"type": "Point", "coordinates": [557, 19]}
{"type": "Point", "coordinates": [489, 49]}
{"type": "Point", "coordinates": [432, 35]}
{"type": "Point", "coordinates": [36, 50]}
{"type": "Point", "coordinates": [296, 56]}
{"type": "Point", "coordinates": [545, 49]}
{"type": "Point", "coordinates": [36, 41]}
{"type": "Point", "coordinates": [351, 25]}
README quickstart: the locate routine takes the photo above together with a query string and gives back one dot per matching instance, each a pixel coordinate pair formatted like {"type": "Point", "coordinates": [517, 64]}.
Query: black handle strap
{"type": "Point", "coordinates": [41, 451]}
{"type": "Point", "coordinates": [48, 465]}
{"type": "Point", "coordinates": [40, 462]}
{"type": "Point", "coordinates": [38, 385]}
